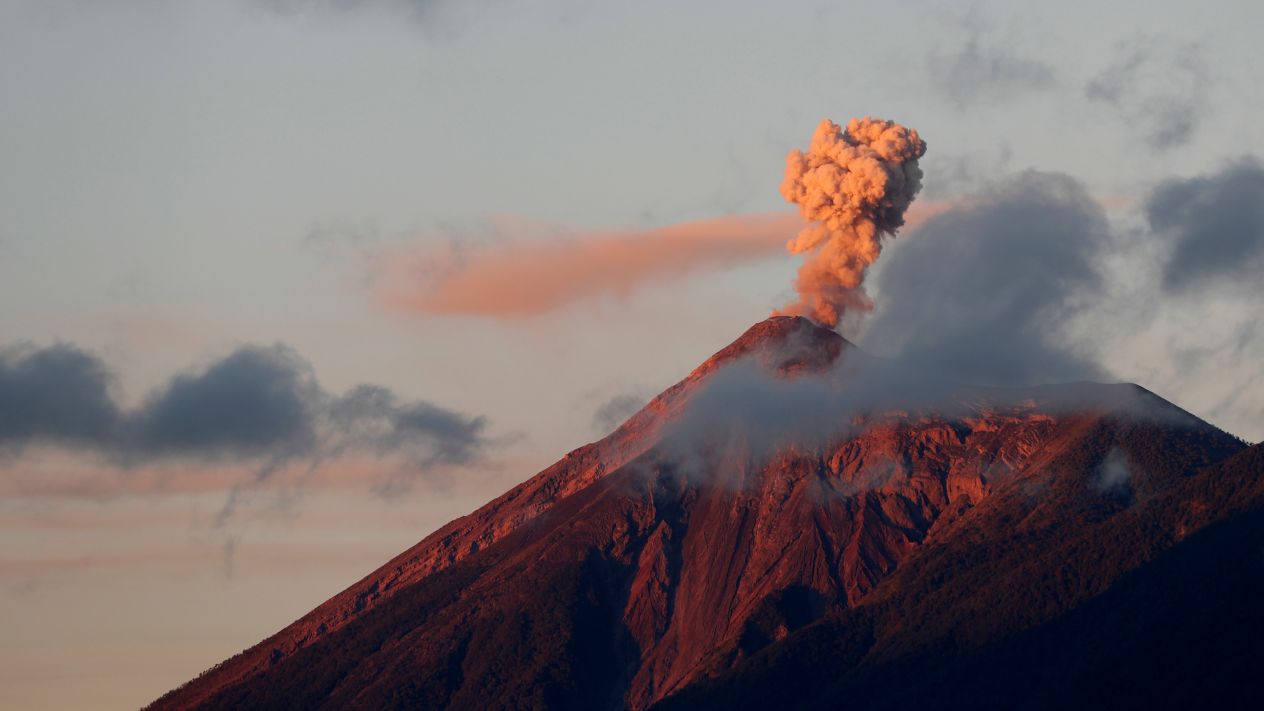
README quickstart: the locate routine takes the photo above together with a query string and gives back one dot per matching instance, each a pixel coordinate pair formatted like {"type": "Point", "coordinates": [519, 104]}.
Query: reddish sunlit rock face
{"type": "Point", "coordinates": [617, 576]}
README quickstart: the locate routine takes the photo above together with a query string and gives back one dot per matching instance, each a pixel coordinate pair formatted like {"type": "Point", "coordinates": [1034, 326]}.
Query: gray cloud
{"type": "Point", "coordinates": [952, 175]}
{"type": "Point", "coordinates": [60, 394]}
{"type": "Point", "coordinates": [258, 404]}
{"type": "Point", "coordinates": [1214, 225]}
{"type": "Point", "coordinates": [23, 587]}
{"type": "Point", "coordinates": [984, 293]}
{"type": "Point", "coordinates": [292, 6]}
{"type": "Point", "coordinates": [1114, 476]}
{"type": "Point", "coordinates": [747, 410]}
{"type": "Point", "coordinates": [985, 70]}
{"type": "Point", "coordinates": [613, 412]}
{"type": "Point", "coordinates": [1157, 84]}
{"type": "Point", "coordinates": [418, 10]}
{"type": "Point", "coordinates": [372, 416]}
{"type": "Point", "coordinates": [435, 20]}
{"type": "Point", "coordinates": [976, 308]}
{"type": "Point", "coordinates": [341, 233]}
{"type": "Point", "coordinates": [255, 402]}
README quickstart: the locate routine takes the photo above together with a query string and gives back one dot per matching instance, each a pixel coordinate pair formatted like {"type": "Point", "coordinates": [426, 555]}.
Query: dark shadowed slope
{"type": "Point", "coordinates": [633, 569]}
{"type": "Point", "coordinates": [1149, 598]}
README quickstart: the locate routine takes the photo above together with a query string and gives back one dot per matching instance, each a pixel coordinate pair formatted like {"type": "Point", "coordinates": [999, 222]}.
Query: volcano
{"type": "Point", "coordinates": [1007, 547]}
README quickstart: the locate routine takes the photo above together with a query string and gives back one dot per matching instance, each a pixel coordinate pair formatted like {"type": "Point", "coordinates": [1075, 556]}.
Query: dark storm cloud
{"type": "Point", "coordinates": [1157, 85]}
{"type": "Point", "coordinates": [256, 404]}
{"type": "Point", "coordinates": [983, 293]}
{"type": "Point", "coordinates": [257, 401]}
{"type": "Point", "coordinates": [60, 394]}
{"type": "Point", "coordinates": [1214, 225]}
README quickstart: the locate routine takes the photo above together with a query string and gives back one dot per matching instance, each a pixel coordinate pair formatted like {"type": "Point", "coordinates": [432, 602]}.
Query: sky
{"type": "Point", "coordinates": [287, 284]}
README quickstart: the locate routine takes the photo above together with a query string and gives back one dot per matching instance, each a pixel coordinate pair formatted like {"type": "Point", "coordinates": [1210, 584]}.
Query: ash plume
{"type": "Point", "coordinates": [520, 278]}
{"type": "Point", "coordinates": [853, 186]}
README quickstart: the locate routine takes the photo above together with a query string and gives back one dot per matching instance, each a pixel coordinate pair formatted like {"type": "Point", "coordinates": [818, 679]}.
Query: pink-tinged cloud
{"type": "Point", "coordinates": [519, 278]}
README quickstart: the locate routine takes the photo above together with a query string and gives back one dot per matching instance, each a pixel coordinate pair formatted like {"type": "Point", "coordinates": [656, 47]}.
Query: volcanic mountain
{"type": "Point", "coordinates": [716, 550]}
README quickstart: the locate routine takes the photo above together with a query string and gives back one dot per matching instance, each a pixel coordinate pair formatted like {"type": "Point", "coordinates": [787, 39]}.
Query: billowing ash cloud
{"type": "Point", "coordinates": [854, 187]}
{"type": "Point", "coordinates": [257, 404]}
{"type": "Point", "coordinates": [984, 293]}
{"type": "Point", "coordinates": [1215, 226]}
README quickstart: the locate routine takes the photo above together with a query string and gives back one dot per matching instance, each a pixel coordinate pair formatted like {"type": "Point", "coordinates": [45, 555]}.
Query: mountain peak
{"type": "Point", "coordinates": [789, 344]}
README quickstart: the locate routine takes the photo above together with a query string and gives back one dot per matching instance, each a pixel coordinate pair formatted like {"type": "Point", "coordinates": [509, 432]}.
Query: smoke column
{"type": "Point", "coordinates": [853, 187]}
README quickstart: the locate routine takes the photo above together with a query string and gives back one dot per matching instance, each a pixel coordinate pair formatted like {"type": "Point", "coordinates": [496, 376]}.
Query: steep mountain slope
{"type": "Point", "coordinates": [636, 566]}
{"type": "Point", "coordinates": [803, 347]}
{"type": "Point", "coordinates": [1141, 596]}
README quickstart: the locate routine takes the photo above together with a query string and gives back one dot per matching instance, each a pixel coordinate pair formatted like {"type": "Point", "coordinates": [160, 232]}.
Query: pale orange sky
{"type": "Point", "coordinates": [179, 179]}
